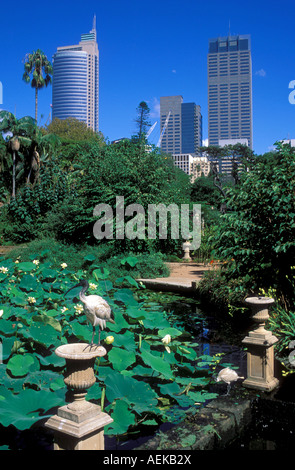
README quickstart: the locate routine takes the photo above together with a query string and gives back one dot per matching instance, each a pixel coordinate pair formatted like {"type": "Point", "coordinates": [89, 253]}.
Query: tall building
{"type": "Point", "coordinates": [194, 166]}
{"type": "Point", "coordinates": [230, 90]}
{"type": "Point", "coordinates": [181, 126]}
{"type": "Point", "coordinates": [75, 84]}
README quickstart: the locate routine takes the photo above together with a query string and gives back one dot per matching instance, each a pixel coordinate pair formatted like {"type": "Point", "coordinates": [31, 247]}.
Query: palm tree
{"type": "Point", "coordinates": [37, 65]}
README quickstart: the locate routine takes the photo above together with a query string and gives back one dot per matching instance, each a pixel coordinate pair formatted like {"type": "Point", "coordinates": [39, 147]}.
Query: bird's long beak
{"type": "Point", "coordinates": [77, 285]}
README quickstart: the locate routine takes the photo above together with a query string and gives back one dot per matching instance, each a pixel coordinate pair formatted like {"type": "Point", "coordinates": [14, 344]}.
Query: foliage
{"type": "Point", "coordinates": [281, 322]}
{"type": "Point", "coordinates": [143, 380]}
{"type": "Point", "coordinates": [26, 213]}
{"type": "Point", "coordinates": [31, 141]}
{"type": "Point", "coordinates": [142, 120]}
{"type": "Point", "coordinates": [87, 258]}
{"type": "Point", "coordinates": [122, 169]}
{"type": "Point", "coordinates": [203, 189]}
{"type": "Point", "coordinates": [224, 293]}
{"type": "Point", "coordinates": [38, 71]}
{"type": "Point", "coordinates": [256, 238]}
{"type": "Point", "coordinates": [71, 129]}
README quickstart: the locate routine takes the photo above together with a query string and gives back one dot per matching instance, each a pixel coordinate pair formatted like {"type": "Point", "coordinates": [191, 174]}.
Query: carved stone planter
{"type": "Point", "coordinates": [260, 351]}
{"type": "Point", "coordinates": [79, 424]}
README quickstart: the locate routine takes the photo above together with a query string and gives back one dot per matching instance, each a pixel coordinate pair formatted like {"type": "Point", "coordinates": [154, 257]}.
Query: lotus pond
{"type": "Point", "coordinates": [143, 382]}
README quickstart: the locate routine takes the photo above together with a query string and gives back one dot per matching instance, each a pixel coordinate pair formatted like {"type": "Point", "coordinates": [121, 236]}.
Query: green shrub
{"type": "Point", "coordinates": [87, 257]}
{"type": "Point", "coordinates": [256, 237]}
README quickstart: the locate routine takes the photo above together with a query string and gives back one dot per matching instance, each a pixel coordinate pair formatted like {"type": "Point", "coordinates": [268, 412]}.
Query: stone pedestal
{"type": "Point", "coordinates": [186, 248]}
{"type": "Point", "coordinates": [260, 351]}
{"type": "Point", "coordinates": [79, 425]}
{"type": "Point", "coordinates": [79, 431]}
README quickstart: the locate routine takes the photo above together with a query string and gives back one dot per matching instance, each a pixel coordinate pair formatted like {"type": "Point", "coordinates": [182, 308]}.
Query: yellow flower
{"type": "Point", "coordinates": [36, 261]}
{"type": "Point", "coordinates": [3, 269]}
{"type": "Point", "coordinates": [109, 339]}
{"type": "Point", "coordinates": [64, 309]}
{"type": "Point", "coordinates": [92, 286]}
{"type": "Point", "coordinates": [31, 300]}
{"type": "Point", "coordinates": [64, 265]}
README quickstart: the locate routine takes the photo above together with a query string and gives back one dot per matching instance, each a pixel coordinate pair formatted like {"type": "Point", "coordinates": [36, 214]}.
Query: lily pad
{"type": "Point", "coordinates": [135, 392]}
{"type": "Point", "coordinates": [122, 419]}
{"type": "Point", "coordinates": [26, 266]}
{"type": "Point", "coordinates": [120, 358]}
{"type": "Point", "coordinates": [28, 407]}
{"type": "Point", "coordinates": [20, 364]}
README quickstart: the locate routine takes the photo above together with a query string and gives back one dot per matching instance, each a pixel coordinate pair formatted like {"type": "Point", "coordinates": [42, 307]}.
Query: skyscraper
{"type": "Point", "coordinates": [75, 85]}
{"type": "Point", "coordinates": [230, 90]}
{"type": "Point", "coordinates": [181, 125]}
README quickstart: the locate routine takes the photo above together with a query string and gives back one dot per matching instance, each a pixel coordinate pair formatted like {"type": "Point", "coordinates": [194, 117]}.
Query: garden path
{"type": "Point", "coordinates": [183, 277]}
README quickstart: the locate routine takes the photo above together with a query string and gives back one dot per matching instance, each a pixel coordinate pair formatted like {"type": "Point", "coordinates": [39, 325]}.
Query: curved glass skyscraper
{"type": "Point", "coordinates": [76, 80]}
{"type": "Point", "coordinates": [69, 96]}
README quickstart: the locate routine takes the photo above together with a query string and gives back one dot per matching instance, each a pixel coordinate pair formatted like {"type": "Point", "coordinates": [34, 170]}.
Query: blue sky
{"type": "Point", "coordinates": [152, 49]}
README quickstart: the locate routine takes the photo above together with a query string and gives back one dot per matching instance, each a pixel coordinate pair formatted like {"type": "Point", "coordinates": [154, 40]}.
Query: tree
{"type": "Point", "coordinates": [39, 67]}
{"type": "Point", "coordinates": [257, 237]}
{"type": "Point", "coordinates": [204, 190]}
{"type": "Point", "coordinates": [28, 147]}
{"type": "Point", "coordinates": [142, 119]}
{"type": "Point", "coordinates": [72, 129]}
{"type": "Point", "coordinates": [115, 170]}
{"type": "Point", "coordinates": [18, 133]}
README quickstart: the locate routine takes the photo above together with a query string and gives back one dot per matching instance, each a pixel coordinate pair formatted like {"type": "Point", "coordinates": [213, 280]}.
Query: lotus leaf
{"type": "Point", "coordinates": [131, 390]}
{"type": "Point", "coordinates": [20, 364]}
{"type": "Point", "coordinates": [122, 419]}
{"type": "Point", "coordinates": [120, 358]}
{"type": "Point", "coordinates": [26, 408]}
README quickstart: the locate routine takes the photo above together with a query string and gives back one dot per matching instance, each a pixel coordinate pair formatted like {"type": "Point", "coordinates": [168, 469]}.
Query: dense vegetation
{"type": "Point", "coordinates": [51, 181]}
{"type": "Point", "coordinates": [255, 242]}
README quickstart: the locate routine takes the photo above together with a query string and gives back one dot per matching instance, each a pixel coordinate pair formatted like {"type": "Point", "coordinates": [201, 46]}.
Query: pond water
{"type": "Point", "coordinates": [214, 334]}
{"type": "Point", "coordinates": [272, 426]}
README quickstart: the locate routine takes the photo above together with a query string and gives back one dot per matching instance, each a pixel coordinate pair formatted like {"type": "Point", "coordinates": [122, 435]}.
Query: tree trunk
{"type": "Point", "coordinates": [13, 175]}
{"type": "Point", "coordinates": [36, 104]}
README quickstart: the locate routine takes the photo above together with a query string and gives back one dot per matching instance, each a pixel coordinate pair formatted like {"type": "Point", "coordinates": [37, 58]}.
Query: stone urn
{"type": "Point", "coordinates": [260, 347]}
{"type": "Point", "coordinates": [259, 307]}
{"type": "Point", "coordinates": [80, 424]}
{"type": "Point", "coordinates": [79, 375]}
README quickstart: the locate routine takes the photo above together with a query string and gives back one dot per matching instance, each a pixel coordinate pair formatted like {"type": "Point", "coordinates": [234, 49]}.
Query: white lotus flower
{"type": "Point", "coordinates": [79, 308]}
{"type": "Point", "coordinates": [166, 340]}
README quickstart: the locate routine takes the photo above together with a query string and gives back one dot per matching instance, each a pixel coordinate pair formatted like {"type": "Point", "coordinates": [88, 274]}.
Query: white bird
{"type": "Point", "coordinates": [228, 376]}
{"type": "Point", "coordinates": [96, 309]}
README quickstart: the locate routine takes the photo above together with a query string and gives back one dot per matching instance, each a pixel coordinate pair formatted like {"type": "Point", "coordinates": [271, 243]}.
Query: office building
{"type": "Point", "coordinates": [230, 90]}
{"type": "Point", "coordinates": [75, 82]}
{"type": "Point", "coordinates": [192, 165]}
{"type": "Point", "coordinates": [181, 126]}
